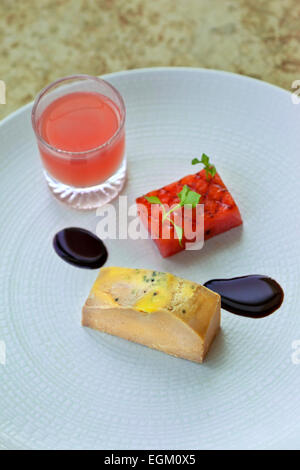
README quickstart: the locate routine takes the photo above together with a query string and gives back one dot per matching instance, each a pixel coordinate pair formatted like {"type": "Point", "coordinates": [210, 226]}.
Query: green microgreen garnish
{"type": "Point", "coordinates": [187, 197]}
{"type": "Point", "coordinates": [153, 199]}
{"type": "Point", "coordinates": [209, 169]}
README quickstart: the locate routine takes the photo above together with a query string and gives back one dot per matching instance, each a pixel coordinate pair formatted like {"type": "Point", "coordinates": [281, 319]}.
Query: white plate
{"type": "Point", "coordinates": [64, 386]}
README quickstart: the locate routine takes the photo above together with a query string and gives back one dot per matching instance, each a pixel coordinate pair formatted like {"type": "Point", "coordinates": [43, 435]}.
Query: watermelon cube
{"type": "Point", "coordinates": [220, 210]}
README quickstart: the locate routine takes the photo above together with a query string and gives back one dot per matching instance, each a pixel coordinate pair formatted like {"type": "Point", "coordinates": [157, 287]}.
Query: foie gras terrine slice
{"type": "Point", "coordinates": [156, 309]}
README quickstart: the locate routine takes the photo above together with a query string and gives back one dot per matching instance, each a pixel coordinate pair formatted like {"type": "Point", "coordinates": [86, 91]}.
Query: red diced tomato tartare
{"type": "Point", "coordinates": [220, 210]}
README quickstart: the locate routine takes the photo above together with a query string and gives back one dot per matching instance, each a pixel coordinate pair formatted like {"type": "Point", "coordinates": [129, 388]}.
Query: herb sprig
{"type": "Point", "coordinates": [209, 169]}
{"type": "Point", "coordinates": [187, 197]}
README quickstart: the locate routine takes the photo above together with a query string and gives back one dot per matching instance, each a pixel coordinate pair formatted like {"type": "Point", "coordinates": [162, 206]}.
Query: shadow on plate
{"type": "Point", "coordinates": [217, 352]}
{"type": "Point", "coordinates": [212, 247]}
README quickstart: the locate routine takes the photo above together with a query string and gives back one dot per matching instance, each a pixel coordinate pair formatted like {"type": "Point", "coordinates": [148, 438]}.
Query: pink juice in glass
{"type": "Point", "coordinates": [80, 123]}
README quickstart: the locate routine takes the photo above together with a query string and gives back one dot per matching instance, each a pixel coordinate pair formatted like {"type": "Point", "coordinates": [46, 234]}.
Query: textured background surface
{"type": "Point", "coordinates": [42, 40]}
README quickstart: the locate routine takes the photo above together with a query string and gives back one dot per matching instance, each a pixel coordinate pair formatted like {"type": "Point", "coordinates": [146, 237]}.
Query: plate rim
{"type": "Point", "coordinates": [143, 70]}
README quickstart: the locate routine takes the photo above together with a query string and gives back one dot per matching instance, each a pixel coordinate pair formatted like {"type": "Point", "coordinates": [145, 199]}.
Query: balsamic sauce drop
{"type": "Point", "coordinates": [253, 296]}
{"type": "Point", "coordinates": [80, 247]}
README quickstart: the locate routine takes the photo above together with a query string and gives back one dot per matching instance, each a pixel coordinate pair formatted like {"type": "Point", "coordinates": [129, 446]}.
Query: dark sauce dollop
{"type": "Point", "coordinates": [253, 296]}
{"type": "Point", "coordinates": [80, 247]}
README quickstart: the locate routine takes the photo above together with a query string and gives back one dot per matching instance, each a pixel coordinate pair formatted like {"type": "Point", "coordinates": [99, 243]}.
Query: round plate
{"type": "Point", "coordinates": [65, 386]}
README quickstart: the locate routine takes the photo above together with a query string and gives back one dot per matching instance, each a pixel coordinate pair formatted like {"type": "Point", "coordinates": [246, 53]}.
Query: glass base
{"type": "Point", "coordinates": [91, 197]}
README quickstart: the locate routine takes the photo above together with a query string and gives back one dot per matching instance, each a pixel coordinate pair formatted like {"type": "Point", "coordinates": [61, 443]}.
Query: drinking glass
{"type": "Point", "coordinates": [92, 176]}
